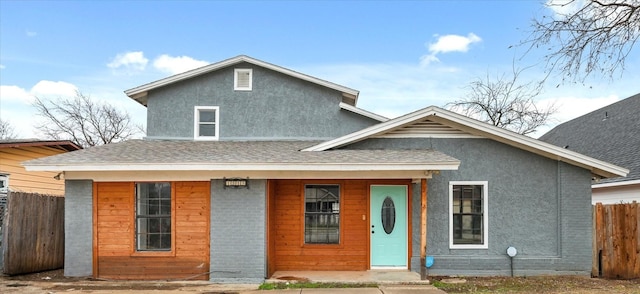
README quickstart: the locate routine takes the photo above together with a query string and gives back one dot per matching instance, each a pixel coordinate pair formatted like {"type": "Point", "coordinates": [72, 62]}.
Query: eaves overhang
{"type": "Point", "coordinates": [616, 184]}
{"type": "Point", "coordinates": [351, 167]}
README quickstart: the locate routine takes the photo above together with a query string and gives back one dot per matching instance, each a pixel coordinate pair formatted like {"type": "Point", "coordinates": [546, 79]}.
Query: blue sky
{"type": "Point", "coordinates": [401, 56]}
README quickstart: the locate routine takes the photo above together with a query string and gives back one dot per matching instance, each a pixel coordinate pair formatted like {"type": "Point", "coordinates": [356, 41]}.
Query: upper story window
{"type": "Point", "coordinates": [468, 226]}
{"type": "Point", "coordinates": [242, 79]}
{"type": "Point", "coordinates": [206, 123]}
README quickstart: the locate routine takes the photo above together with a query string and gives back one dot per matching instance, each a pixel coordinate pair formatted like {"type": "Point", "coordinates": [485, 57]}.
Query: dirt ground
{"type": "Point", "coordinates": [540, 284]}
{"type": "Point", "coordinates": [55, 282]}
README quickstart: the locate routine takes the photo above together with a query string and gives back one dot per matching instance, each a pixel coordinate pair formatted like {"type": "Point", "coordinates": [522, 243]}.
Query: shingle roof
{"type": "Point", "coordinates": [221, 153]}
{"type": "Point", "coordinates": [611, 134]}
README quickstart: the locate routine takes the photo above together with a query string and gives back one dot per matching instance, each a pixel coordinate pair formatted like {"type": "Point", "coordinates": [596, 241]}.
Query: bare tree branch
{"type": "Point", "coordinates": [595, 37]}
{"type": "Point", "coordinates": [505, 103]}
{"type": "Point", "coordinates": [6, 130]}
{"type": "Point", "coordinates": [84, 121]}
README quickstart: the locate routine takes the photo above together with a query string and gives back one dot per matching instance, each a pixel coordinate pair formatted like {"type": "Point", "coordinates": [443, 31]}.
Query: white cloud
{"type": "Point", "coordinates": [178, 64]}
{"type": "Point", "coordinates": [453, 43]}
{"type": "Point", "coordinates": [14, 94]}
{"type": "Point", "coordinates": [448, 43]}
{"type": "Point", "coordinates": [31, 33]}
{"type": "Point", "coordinates": [2, 66]}
{"type": "Point", "coordinates": [16, 108]}
{"type": "Point", "coordinates": [54, 89]}
{"type": "Point", "coordinates": [129, 62]}
{"type": "Point", "coordinates": [564, 7]}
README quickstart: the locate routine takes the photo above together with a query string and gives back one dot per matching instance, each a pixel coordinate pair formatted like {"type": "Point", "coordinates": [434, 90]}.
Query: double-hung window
{"type": "Point", "coordinates": [153, 217]}
{"type": "Point", "coordinates": [468, 215]}
{"type": "Point", "coordinates": [206, 123]}
{"type": "Point", "coordinates": [322, 214]}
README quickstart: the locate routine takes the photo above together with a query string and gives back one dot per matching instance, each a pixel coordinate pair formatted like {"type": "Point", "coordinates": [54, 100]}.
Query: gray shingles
{"type": "Point", "coordinates": [230, 152]}
{"type": "Point", "coordinates": [611, 134]}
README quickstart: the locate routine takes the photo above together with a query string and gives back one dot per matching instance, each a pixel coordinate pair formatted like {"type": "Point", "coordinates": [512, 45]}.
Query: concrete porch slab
{"type": "Point", "coordinates": [384, 277]}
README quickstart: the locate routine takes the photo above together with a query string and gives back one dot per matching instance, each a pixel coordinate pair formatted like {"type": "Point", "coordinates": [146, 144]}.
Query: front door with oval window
{"type": "Point", "coordinates": [388, 226]}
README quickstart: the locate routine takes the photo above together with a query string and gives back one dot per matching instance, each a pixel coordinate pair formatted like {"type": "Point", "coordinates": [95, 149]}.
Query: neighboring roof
{"type": "Point", "coordinates": [136, 155]}
{"type": "Point", "coordinates": [477, 128]}
{"type": "Point", "coordinates": [611, 134]}
{"type": "Point", "coordinates": [61, 144]}
{"type": "Point", "coordinates": [139, 93]}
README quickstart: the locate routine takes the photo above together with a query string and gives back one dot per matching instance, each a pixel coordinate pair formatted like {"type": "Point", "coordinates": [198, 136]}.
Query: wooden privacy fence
{"type": "Point", "coordinates": [616, 241]}
{"type": "Point", "coordinates": [33, 233]}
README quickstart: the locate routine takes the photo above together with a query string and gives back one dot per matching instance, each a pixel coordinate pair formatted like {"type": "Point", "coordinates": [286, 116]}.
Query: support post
{"type": "Point", "coordinates": [423, 229]}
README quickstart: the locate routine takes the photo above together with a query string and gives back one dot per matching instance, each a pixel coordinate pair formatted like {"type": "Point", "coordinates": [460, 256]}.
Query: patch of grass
{"type": "Point", "coordinates": [313, 285]}
{"type": "Point", "coordinates": [439, 285]}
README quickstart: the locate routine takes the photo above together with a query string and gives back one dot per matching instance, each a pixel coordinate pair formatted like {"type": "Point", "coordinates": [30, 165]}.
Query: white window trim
{"type": "Point", "coordinates": [235, 79]}
{"type": "Point", "coordinates": [196, 123]}
{"type": "Point", "coordinates": [485, 215]}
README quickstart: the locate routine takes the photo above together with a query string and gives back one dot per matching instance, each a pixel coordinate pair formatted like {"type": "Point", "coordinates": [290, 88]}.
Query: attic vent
{"type": "Point", "coordinates": [243, 78]}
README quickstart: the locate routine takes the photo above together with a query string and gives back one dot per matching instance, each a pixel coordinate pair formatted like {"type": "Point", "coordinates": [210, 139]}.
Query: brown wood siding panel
{"type": "Point", "coordinates": [153, 268]}
{"type": "Point", "coordinates": [288, 245]}
{"type": "Point", "coordinates": [115, 234]}
{"type": "Point", "coordinates": [33, 182]}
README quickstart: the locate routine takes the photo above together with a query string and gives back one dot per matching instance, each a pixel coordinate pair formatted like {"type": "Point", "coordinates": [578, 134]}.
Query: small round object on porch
{"type": "Point", "coordinates": [512, 251]}
{"type": "Point", "coordinates": [429, 261]}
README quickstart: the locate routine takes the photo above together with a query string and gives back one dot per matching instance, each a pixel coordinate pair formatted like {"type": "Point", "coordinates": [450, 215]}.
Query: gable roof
{"type": "Point", "coordinates": [611, 133]}
{"type": "Point", "coordinates": [139, 93]}
{"type": "Point", "coordinates": [59, 144]}
{"type": "Point", "coordinates": [466, 126]}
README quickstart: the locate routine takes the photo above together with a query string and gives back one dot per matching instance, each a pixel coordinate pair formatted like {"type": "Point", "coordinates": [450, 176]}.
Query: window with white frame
{"type": "Point", "coordinates": [243, 79]}
{"type": "Point", "coordinates": [206, 123]}
{"type": "Point", "coordinates": [468, 215]}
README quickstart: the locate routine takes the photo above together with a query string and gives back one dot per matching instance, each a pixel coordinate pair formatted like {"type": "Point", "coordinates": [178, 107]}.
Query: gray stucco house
{"type": "Point", "coordinates": [612, 134]}
{"type": "Point", "coordinates": [251, 168]}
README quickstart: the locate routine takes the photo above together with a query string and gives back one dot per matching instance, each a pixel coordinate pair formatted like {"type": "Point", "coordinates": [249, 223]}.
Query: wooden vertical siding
{"type": "Point", "coordinates": [115, 230]}
{"type": "Point", "coordinates": [33, 233]}
{"type": "Point", "coordinates": [616, 241]}
{"type": "Point", "coordinates": [21, 180]}
{"type": "Point", "coordinates": [286, 215]}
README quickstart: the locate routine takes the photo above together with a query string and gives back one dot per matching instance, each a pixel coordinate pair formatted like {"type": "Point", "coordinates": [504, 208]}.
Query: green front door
{"type": "Point", "coordinates": [389, 226]}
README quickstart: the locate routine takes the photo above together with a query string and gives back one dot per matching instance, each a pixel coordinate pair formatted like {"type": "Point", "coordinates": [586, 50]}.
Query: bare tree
{"type": "Point", "coordinates": [84, 121]}
{"type": "Point", "coordinates": [591, 36]}
{"type": "Point", "coordinates": [6, 130]}
{"type": "Point", "coordinates": [504, 102]}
